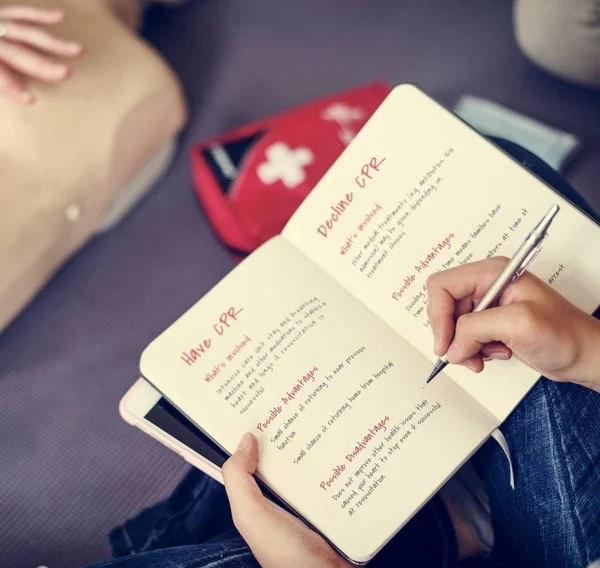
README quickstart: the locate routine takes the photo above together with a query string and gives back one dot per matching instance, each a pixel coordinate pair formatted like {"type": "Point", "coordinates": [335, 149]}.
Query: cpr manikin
{"type": "Point", "coordinates": [74, 161]}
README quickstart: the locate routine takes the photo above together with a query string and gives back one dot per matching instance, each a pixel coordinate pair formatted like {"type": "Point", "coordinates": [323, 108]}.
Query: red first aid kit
{"type": "Point", "coordinates": [252, 179]}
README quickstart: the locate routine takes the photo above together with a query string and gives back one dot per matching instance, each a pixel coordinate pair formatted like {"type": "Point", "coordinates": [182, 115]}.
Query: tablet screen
{"type": "Point", "coordinates": [166, 417]}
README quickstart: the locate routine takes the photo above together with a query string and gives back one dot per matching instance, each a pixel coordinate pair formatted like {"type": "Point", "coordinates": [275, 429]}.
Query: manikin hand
{"type": "Point", "coordinates": [28, 50]}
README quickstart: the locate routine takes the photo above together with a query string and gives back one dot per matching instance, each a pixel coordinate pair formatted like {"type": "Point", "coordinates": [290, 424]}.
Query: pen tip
{"type": "Point", "coordinates": [430, 377]}
{"type": "Point", "coordinates": [439, 367]}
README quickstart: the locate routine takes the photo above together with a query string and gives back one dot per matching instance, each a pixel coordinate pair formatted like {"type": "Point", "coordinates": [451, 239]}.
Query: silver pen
{"type": "Point", "coordinates": [516, 266]}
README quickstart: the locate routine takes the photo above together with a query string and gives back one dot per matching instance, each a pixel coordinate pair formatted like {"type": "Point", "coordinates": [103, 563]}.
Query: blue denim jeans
{"type": "Point", "coordinates": [551, 519]}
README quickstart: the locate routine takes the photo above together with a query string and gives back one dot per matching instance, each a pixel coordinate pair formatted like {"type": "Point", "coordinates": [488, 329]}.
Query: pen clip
{"type": "Point", "coordinates": [528, 260]}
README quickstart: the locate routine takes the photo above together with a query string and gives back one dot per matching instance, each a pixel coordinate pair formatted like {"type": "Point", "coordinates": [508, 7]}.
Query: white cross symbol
{"type": "Point", "coordinates": [346, 135]}
{"type": "Point", "coordinates": [343, 114]}
{"type": "Point", "coordinates": [284, 164]}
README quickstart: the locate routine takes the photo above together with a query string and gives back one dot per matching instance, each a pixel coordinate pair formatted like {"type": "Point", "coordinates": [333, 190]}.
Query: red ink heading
{"type": "Point", "coordinates": [273, 413]}
{"type": "Point", "coordinates": [365, 440]}
{"type": "Point", "coordinates": [406, 283]}
{"type": "Point", "coordinates": [337, 472]}
{"type": "Point", "coordinates": [300, 383]}
{"type": "Point", "coordinates": [367, 173]}
{"type": "Point", "coordinates": [338, 210]}
{"type": "Point", "coordinates": [225, 321]}
{"type": "Point", "coordinates": [287, 399]}
{"type": "Point", "coordinates": [435, 250]}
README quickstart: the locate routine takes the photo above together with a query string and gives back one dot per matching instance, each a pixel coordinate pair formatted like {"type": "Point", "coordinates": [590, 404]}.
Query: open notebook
{"type": "Point", "coordinates": [319, 342]}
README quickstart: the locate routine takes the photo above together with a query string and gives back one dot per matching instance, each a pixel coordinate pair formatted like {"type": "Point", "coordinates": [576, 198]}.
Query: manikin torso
{"type": "Point", "coordinates": [64, 159]}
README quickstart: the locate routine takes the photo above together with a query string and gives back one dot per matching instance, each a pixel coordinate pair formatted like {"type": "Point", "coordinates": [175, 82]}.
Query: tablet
{"type": "Point", "coordinates": [145, 408]}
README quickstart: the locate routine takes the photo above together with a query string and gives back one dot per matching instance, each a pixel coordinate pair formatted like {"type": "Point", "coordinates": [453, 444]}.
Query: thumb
{"type": "Point", "coordinates": [248, 505]}
{"type": "Point", "coordinates": [259, 521]}
{"type": "Point", "coordinates": [242, 489]}
{"type": "Point", "coordinates": [245, 458]}
{"type": "Point", "coordinates": [476, 329]}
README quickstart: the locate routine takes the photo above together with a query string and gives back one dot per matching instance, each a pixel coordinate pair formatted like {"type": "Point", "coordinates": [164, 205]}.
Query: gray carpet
{"type": "Point", "coordinates": [70, 469]}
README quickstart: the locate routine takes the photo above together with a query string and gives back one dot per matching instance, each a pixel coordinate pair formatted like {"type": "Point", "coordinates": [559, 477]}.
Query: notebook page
{"type": "Point", "coordinates": [419, 191]}
{"type": "Point", "coordinates": [333, 395]}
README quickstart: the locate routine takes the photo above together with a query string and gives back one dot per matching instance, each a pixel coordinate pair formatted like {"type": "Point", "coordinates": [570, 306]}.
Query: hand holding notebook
{"type": "Point", "coordinates": [275, 537]}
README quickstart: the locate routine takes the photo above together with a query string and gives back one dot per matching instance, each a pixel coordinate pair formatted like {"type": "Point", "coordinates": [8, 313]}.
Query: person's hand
{"type": "Point", "coordinates": [531, 320]}
{"type": "Point", "coordinates": [28, 50]}
{"type": "Point", "coordinates": [276, 538]}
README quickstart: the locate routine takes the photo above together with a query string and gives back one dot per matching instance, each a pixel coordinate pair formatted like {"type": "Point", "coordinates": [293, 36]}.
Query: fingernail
{"type": "Point", "coordinates": [75, 48]}
{"type": "Point", "coordinates": [498, 355]}
{"type": "Point", "coordinates": [244, 444]}
{"type": "Point", "coordinates": [452, 351]}
{"type": "Point", "coordinates": [436, 345]}
{"type": "Point", "coordinates": [58, 72]}
{"type": "Point", "coordinates": [471, 366]}
{"type": "Point", "coordinates": [27, 97]}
